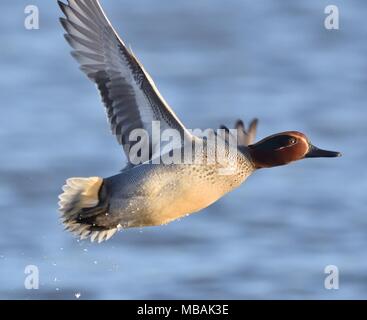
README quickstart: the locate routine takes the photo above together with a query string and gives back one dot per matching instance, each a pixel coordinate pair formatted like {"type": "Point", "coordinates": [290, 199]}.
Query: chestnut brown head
{"type": "Point", "coordinates": [283, 148]}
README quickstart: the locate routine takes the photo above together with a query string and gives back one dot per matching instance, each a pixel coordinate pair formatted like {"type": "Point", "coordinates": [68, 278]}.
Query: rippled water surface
{"type": "Point", "coordinates": [214, 62]}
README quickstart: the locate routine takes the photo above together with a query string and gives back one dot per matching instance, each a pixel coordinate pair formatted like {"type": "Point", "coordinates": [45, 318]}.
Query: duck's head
{"type": "Point", "coordinates": [283, 148]}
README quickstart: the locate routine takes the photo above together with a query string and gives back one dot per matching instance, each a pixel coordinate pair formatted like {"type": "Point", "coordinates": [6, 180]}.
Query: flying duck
{"type": "Point", "coordinates": [150, 190]}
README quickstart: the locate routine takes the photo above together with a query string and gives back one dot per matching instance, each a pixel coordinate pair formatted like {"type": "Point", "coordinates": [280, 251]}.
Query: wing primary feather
{"type": "Point", "coordinates": [128, 92]}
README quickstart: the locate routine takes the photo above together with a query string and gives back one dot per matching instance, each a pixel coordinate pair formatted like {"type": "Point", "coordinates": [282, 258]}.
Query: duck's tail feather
{"type": "Point", "coordinates": [84, 209]}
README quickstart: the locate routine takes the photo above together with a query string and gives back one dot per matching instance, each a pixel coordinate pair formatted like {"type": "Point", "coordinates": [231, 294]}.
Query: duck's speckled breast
{"type": "Point", "coordinates": [155, 194]}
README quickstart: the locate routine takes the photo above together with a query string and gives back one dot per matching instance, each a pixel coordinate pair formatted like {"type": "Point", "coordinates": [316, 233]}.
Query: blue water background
{"type": "Point", "coordinates": [214, 61]}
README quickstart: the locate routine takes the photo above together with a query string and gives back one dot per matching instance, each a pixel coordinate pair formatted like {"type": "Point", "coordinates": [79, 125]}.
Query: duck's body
{"type": "Point", "coordinates": [150, 192]}
{"type": "Point", "coordinates": [156, 194]}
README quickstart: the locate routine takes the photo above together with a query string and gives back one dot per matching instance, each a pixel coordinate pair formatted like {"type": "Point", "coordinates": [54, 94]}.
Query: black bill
{"type": "Point", "coordinates": [315, 152]}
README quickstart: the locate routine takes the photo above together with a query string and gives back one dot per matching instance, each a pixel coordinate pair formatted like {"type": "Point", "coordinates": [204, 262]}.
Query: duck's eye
{"type": "Point", "coordinates": [292, 141]}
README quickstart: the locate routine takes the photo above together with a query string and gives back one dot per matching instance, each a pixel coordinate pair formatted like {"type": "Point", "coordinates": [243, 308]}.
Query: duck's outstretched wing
{"type": "Point", "coordinates": [244, 137]}
{"type": "Point", "coordinates": [131, 99]}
